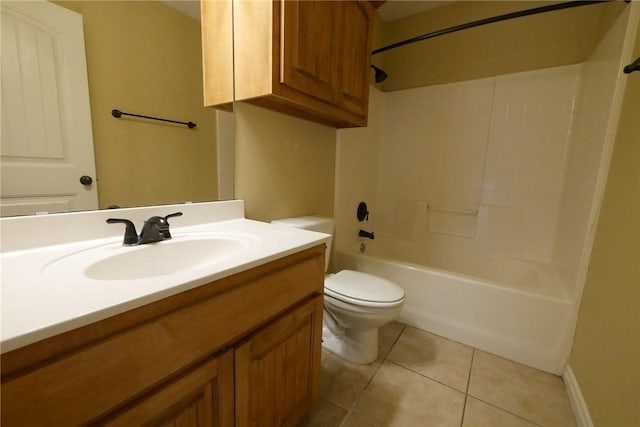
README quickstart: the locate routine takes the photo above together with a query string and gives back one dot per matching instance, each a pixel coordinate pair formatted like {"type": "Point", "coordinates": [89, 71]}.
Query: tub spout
{"type": "Point", "coordinates": [366, 234]}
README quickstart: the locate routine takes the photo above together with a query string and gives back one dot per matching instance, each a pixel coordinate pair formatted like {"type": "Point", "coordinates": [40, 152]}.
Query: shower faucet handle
{"type": "Point", "coordinates": [363, 212]}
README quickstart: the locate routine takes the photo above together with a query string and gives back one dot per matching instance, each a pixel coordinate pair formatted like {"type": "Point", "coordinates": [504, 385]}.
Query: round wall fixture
{"type": "Point", "coordinates": [363, 212]}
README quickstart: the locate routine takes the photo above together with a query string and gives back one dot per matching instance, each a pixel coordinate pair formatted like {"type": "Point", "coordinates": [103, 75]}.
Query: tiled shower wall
{"type": "Point", "coordinates": [477, 165]}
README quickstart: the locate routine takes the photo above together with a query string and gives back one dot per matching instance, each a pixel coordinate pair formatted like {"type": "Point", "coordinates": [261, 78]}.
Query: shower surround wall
{"type": "Point", "coordinates": [478, 165]}
{"type": "Point", "coordinates": [467, 176]}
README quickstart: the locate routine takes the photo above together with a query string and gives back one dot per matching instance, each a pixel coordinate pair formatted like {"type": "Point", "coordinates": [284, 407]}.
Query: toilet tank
{"type": "Point", "coordinates": [312, 223]}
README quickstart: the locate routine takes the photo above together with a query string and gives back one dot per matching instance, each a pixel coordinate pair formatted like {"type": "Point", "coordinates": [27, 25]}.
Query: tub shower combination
{"type": "Point", "coordinates": [512, 308]}
{"type": "Point", "coordinates": [485, 212]}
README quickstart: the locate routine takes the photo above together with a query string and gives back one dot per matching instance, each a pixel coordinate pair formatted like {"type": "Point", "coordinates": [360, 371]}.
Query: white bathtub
{"type": "Point", "coordinates": [517, 310]}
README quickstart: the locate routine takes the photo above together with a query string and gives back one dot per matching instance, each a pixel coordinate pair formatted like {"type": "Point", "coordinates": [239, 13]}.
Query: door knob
{"type": "Point", "coordinates": [86, 180]}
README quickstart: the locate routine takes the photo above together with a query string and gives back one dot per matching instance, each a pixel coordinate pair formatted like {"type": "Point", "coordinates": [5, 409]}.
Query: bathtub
{"type": "Point", "coordinates": [514, 309]}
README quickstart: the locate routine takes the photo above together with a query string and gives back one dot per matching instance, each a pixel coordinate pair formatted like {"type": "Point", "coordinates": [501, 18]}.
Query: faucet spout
{"type": "Point", "coordinates": [130, 233]}
{"type": "Point", "coordinates": [367, 234]}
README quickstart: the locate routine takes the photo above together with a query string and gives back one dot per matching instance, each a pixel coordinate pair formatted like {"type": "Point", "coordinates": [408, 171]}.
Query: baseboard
{"type": "Point", "coordinates": [579, 406]}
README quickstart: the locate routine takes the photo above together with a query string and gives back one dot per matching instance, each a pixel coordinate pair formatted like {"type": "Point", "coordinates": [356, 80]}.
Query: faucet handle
{"type": "Point", "coordinates": [156, 229]}
{"type": "Point", "coordinates": [130, 233]}
{"type": "Point", "coordinates": [166, 218]}
{"type": "Point", "coordinates": [164, 229]}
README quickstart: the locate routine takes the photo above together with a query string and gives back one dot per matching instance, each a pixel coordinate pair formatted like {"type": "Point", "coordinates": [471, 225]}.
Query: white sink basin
{"type": "Point", "coordinates": [162, 258]}
{"type": "Point", "coordinates": [114, 262]}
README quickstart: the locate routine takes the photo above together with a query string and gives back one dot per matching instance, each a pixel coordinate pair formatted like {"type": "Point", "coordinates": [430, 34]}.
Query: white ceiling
{"type": "Point", "coordinates": [396, 9]}
{"type": "Point", "coordinates": [391, 10]}
{"type": "Point", "coordinates": [191, 8]}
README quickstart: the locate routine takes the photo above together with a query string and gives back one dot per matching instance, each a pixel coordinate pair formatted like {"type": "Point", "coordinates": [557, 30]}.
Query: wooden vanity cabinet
{"type": "Point", "coordinates": [201, 397]}
{"type": "Point", "coordinates": [309, 59]}
{"type": "Point", "coordinates": [243, 350]}
{"type": "Point", "coordinates": [275, 381]}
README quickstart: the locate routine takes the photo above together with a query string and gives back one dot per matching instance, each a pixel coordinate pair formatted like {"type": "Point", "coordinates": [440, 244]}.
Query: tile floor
{"type": "Point", "coordinates": [421, 379]}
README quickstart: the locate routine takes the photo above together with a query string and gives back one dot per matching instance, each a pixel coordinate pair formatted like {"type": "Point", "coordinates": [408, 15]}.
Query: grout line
{"type": "Point", "coordinates": [473, 356]}
{"type": "Point", "coordinates": [355, 403]}
{"type": "Point", "coordinates": [466, 392]}
{"type": "Point", "coordinates": [382, 362]}
{"type": "Point", "coordinates": [487, 403]}
{"type": "Point", "coordinates": [508, 412]}
{"type": "Point", "coordinates": [404, 327]}
{"type": "Point", "coordinates": [424, 376]}
{"type": "Point", "coordinates": [361, 393]}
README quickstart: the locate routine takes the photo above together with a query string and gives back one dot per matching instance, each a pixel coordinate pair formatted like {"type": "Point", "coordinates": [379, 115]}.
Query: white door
{"type": "Point", "coordinates": [47, 143]}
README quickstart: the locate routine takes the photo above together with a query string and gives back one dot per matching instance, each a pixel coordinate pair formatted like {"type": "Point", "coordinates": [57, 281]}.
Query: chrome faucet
{"type": "Point", "coordinates": [155, 229]}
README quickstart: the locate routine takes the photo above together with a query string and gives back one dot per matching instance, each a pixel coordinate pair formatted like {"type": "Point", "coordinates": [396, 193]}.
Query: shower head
{"type": "Point", "coordinates": [380, 75]}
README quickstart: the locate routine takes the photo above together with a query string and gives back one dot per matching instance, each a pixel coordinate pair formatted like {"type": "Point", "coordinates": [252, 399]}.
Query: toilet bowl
{"type": "Point", "coordinates": [355, 304]}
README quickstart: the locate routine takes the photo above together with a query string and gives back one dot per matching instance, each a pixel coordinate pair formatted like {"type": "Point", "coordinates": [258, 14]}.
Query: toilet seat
{"type": "Point", "coordinates": [363, 289]}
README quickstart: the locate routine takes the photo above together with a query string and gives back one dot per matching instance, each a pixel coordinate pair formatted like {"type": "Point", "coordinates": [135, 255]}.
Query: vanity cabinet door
{"type": "Point", "coordinates": [201, 397]}
{"type": "Point", "coordinates": [278, 369]}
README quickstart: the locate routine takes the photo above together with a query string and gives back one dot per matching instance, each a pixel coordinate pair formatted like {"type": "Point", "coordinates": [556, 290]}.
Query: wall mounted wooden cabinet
{"type": "Point", "coordinates": [309, 59]}
{"type": "Point", "coordinates": [217, 53]}
{"type": "Point", "coordinates": [243, 350]}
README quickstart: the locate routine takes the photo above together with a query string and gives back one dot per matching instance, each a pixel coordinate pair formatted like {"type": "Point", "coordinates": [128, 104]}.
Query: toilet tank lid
{"type": "Point", "coordinates": [362, 286]}
{"type": "Point", "coordinates": [313, 223]}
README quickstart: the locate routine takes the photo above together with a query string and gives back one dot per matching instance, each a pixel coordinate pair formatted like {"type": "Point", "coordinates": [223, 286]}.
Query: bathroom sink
{"type": "Point", "coordinates": [162, 258]}
{"type": "Point", "coordinates": [113, 262]}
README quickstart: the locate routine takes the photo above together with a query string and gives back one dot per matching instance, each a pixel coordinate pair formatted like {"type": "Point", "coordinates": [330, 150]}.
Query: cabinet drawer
{"type": "Point", "coordinates": [88, 383]}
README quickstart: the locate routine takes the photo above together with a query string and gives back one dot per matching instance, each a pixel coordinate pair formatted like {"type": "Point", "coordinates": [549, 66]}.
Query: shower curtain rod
{"type": "Point", "coordinates": [526, 12]}
{"type": "Point", "coordinates": [634, 66]}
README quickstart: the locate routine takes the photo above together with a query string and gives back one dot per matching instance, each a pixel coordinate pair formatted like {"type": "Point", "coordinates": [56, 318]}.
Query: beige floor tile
{"type": "Point", "coordinates": [527, 392]}
{"type": "Point", "coordinates": [342, 382]}
{"type": "Point", "coordinates": [398, 397]}
{"type": "Point", "coordinates": [388, 334]}
{"type": "Point", "coordinates": [324, 414]}
{"type": "Point", "coordinates": [438, 358]}
{"type": "Point", "coordinates": [480, 414]}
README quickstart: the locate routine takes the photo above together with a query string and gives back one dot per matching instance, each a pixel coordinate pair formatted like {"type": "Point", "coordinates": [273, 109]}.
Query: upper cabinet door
{"type": "Point", "coordinates": [308, 59]}
{"type": "Point", "coordinates": [217, 53]}
{"type": "Point", "coordinates": [354, 32]}
{"type": "Point", "coordinates": [307, 54]}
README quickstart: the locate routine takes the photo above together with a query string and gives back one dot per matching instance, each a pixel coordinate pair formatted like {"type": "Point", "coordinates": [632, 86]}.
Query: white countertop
{"type": "Point", "coordinates": [39, 301]}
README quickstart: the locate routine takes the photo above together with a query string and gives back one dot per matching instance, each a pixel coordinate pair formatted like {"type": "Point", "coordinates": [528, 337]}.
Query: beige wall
{"type": "Point", "coordinates": [145, 58]}
{"type": "Point", "coordinates": [284, 166]}
{"type": "Point", "coordinates": [529, 43]}
{"type": "Point", "coordinates": [606, 352]}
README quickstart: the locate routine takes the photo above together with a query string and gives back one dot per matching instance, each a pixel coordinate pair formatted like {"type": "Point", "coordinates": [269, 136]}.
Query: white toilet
{"type": "Point", "coordinates": [355, 304]}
